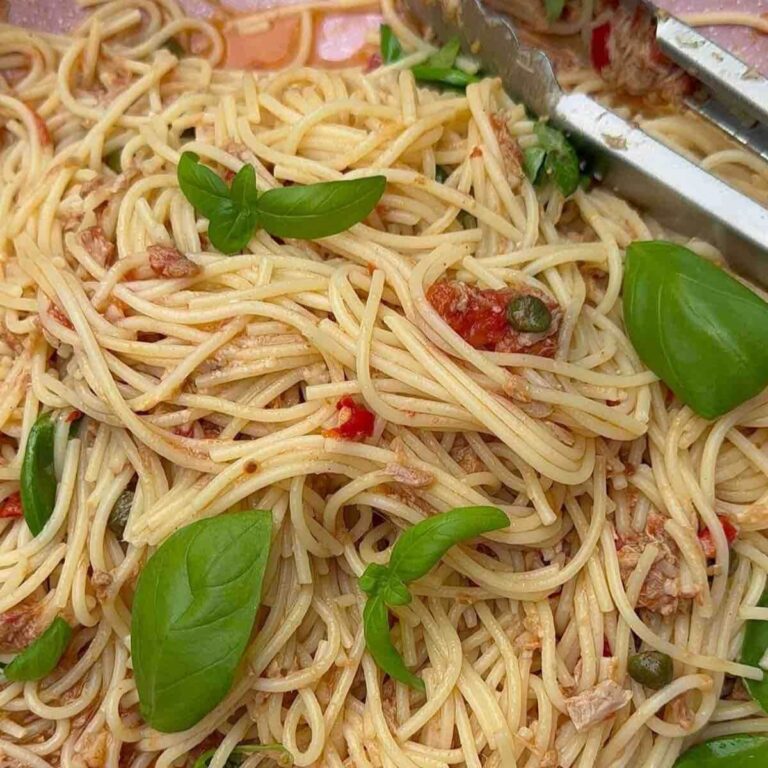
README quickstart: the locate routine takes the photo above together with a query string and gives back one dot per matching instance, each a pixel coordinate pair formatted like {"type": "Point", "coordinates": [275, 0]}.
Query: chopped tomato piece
{"type": "Point", "coordinates": [480, 317]}
{"type": "Point", "coordinates": [11, 507]}
{"type": "Point", "coordinates": [355, 421]}
{"type": "Point", "coordinates": [374, 62]}
{"type": "Point", "coordinates": [599, 46]}
{"type": "Point", "coordinates": [607, 647]}
{"type": "Point", "coordinates": [74, 416]}
{"type": "Point", "coordinates": [705, 536]}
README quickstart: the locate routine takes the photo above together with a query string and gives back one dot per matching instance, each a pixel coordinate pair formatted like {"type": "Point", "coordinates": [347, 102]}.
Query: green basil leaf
{"type": "Point", "coordinates": [204, 188]}
{"type": "Point", "coordinates": [193, 613]}
{"type": "Point", "coordinates": [40, 657]}
{"type": "Point", "coordinates": [450, 76]}
{"type": "Point", "coordinates": [561, 163]}
{"type": "Point", "coordinates": [380, 646]}
{"type": "Point", "coordinates": [232, 228]}
{"type": "Point", "coordinates": [446, 56]}
{"type": "Point", "coordinates": [554, 9]}
{"type": "Point", "coordinates": [533, 161]}
{"type": "Point", "coordinates": [753, 648]}
{"type": "Point", "coordinates": [38, 478]}
{"type": "Point", "coordinates": [319, 210]}
{"type": "Point", "coordinates": [276, 752]}
{"type": "Point", "coordinates": [389, 45]}
{"type": "Point", "coordinates": [696, 327]}
{"type": "Point", "coordinates": [736, 751]}
{"type": "Point", "coordinates": [420, 548]}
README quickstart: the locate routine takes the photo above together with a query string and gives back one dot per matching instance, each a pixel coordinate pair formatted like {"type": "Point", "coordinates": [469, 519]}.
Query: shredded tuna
{"type": "Point", "coordinates": [511, 155]}
{"type": "Point", "coordinates": [635, 63]}
{"type": "Point", "coordinates": [21, 625]}
{"type": "Point", "coordinates": [167, 261]}
{"type": "Point", "coordinates": [681, 712]}
{"type": "Point", "coordinates": [596, 704]}
{"type": "Point", "coordinates": [661, 589]}
{"type": "Point", "coordinates": [98, 245]}
{"type": "Point", "coordinates": [406, 475]}
{"type": "Point", "coordinates": [92, 750]}
{"type": "Point", "coordinates": [59, 316]}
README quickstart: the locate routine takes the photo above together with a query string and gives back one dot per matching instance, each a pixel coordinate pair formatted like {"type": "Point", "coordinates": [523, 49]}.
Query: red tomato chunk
{"type": "Point", "coordinates": [479, 316]}
{"type": "Point", "coordinates": [705, 536]}
{"type": "Point", "coordinates": [355, 421]}
{"type": "Point", "coordinates": [11, 507]}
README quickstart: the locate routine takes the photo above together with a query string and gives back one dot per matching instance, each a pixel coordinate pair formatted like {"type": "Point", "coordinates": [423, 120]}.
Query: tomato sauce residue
{"type": "Point", "coordinates": [11, 507]}
{"type": "Point", "coordinates": [705, 536]}
{"type": "Point", "coordinates": [480, 318]}
{"type": "Point", "coordinates": [355, 421]}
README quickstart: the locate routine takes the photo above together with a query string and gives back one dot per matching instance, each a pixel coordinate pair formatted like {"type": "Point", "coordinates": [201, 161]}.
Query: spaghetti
{"type": "Point", "coordinates": [212, 383]}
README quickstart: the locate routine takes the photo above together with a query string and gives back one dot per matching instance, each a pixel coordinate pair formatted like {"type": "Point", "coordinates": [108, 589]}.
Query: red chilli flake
{"type": "Point", "coordinates": [355, 421]}
{"type": "Point", "coordinates": [599, 46]}
{"type": "Point", "coordinates": [74, 416]}
{"type": "Point", "coordinates": [705, 536]}
{"type": "Point", "coordinates": [11, 507]}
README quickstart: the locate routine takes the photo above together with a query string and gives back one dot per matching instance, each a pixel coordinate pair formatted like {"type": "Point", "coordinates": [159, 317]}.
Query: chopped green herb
{"type": "Point", "coordinates": [554, 9]}
{"type": "Point", "coordinates": [38, 478]}
{"type": "Point", "coordinates": [533, 161]}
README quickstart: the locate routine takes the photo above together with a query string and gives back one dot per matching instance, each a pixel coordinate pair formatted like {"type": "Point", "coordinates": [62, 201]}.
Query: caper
{"type": "Point", "coordinates": [441, 174]}
{"type": "Point", "coordinates": [112, 160]}
{"type": "Point", "coordinates": [175, 47]}
{"type": "Point", "coordinates": [118, 517]}
{"type": "Point", "coordinates": [529, 314]}
{"type": "Point", "coordinates": [652, 669]}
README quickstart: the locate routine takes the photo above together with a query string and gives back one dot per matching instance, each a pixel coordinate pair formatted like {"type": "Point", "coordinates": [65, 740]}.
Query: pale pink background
{"type": "Point", "coordinates": [339, 38]}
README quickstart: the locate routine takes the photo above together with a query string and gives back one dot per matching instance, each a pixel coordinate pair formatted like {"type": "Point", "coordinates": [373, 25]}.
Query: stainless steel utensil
{"type": "Point", "coordinates": [675, 191]}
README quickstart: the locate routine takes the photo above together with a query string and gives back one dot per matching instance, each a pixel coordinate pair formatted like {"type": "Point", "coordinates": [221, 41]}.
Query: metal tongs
{"type": "Point", "coordinates": [674, 190]}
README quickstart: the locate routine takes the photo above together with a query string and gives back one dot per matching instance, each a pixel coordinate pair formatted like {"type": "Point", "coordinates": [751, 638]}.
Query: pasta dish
{"type": "Point", "coordinates": [345, 422]}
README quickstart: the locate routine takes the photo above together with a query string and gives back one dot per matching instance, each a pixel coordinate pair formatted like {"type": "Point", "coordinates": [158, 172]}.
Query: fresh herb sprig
{"type": "Point", "coordinates": [414, 554]}
{"type": "Point", "coordinates": [440, 68]}
{"type": "Point", "coordinates": [696, 327]}
{"type": "Point", "coordinates": [305, 212]}
{"type": "Point", "coordinates": [193, 614]}
{"type": "Point", "coordinates": [552, 158]}
{"type": "Point", "coordinates": [42, 655]}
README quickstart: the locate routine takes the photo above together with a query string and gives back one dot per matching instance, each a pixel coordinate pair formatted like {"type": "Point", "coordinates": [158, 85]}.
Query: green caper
{"type": "Point", "coordinates": [112, 160]}
{"type": "Point", "coordinates": [441, 174]}
{"type": "Point", "coordinates": [529, 314]}
{"type": "Point", "coordinates": [118, 517]}
{"type": "Point", "coordinates": [652, 669]}
{"type": "Point", "coordinates": [175, 47]}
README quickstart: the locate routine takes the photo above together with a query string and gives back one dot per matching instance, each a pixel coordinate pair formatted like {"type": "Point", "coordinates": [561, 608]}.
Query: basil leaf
{"type": "Point", "coordinates": [533, 160]}
{"type": "Point", "coordinates": [696, 327]}
{"type": "Point", "coordinates": [41, 657]}
{"type": "Point", "coordinates": [204, 188]}
{"type": "Point", "coordinates": [413, 555]}
{"type": "Point", "coordinates": [561, 163]}
{"type": "Point", "coordinates": [420, 548]}
{"type": "Point", "coordinates": [554, 9]}
{"type": "Point", "coordinates": [38, 478]}
{"type": "Point", "coordinates": [450, 76]}
{"type": "Point", "coordinates": [446, 56]}
{"type": "Point", "coordinates": [233, 227]}
{"type": "Point", "coordinates": [753, 648]}
{"type": "Point", "coordinates": [389, 45]}
{"type": "Point", "coordinates": [277, 752]}
{"type": "Point", "coordinates": [740, 749]}
{"type": "Point", "coordinates": [380, 646]}
{"type": "Point", "coordinates": [193, 613]}
{"type": "Point", "coordinates": [319, 210]}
